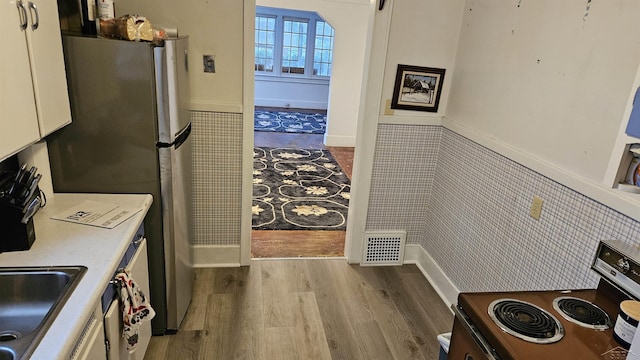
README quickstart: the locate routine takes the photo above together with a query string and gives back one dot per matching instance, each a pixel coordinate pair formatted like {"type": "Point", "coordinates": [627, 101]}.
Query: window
{"type": "Point", "coordinates": [323, 51]}
{"type": "Point", "coordinates": [294, 46]}
{"type": "Point", "coordinates": [265, 43]}
{"type": "Point", "coordinates": [292, 43]}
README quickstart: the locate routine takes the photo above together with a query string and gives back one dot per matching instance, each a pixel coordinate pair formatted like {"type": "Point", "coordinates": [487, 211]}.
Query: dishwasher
{"type": "Point", "coordinates": [135, 262]}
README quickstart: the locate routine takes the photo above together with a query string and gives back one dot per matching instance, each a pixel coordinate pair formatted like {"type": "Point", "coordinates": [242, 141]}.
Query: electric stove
{"type": "Point", "coordinates": [566, 324]}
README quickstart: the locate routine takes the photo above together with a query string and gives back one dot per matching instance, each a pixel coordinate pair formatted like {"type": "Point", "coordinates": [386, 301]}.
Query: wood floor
{"type": "Point", "coordinates": [281, 244]}
{"type": "Point", "coordinates": [308, 309]}
{"type": "Point", "coordinates": [296, 243]}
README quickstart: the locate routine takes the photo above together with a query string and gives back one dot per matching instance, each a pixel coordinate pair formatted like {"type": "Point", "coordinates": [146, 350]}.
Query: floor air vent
{"type": "Point", "coordinates": [383, 248]}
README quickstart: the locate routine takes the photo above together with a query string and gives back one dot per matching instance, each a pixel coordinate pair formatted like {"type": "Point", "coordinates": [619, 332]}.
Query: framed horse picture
{"type": "Point", "coordinates": [417, 88]}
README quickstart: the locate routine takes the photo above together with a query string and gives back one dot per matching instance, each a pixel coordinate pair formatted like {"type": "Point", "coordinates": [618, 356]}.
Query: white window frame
{"type": "Point", "coordinates": [281, 47]}
{"type": "Point", "coordinates": [314, 47]}
{"type": "Point", "coordinates": [284, 14]}
{"type": "Point", "coordinates": [275, 46]}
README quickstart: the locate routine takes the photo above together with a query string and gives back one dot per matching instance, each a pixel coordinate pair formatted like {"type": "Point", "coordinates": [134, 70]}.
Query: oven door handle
{"type": "Point", "coordinates": [477, 337]}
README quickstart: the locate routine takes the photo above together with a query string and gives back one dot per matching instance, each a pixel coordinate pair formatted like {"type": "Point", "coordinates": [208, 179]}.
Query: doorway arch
{"type": "Point", "coordinates": [351, 21]}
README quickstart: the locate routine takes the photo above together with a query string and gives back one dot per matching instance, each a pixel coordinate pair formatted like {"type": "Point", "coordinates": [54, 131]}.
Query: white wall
{"type": "Point", "coordinates": [423, 33]}
{"type": "Point", "coordinates": [546, 80]}
{"type": "Point", "coordinates": [350, 20]}
{"type": "Point", "coordinates": [282, 92]}
{"type": "Point", "coordinates": [213, 27]}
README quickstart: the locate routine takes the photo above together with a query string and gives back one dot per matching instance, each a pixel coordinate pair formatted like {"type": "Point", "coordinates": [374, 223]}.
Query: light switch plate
{"type": "Point", "coordinates": [209, 63]}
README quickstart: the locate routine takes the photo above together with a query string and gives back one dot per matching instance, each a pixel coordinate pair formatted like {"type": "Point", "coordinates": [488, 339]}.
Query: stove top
{"type": "Point", "coordinates": [525, 321]}
{"type": "Point", "coordinates": [582, 312]}
{"type": "Point", "coordinates": [535, 310]}
{"type": "Point", "coordinates": [524, 325]}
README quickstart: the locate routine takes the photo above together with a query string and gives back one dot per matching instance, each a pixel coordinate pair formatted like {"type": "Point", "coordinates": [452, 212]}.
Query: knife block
{"type": "Point", "coordinates": [16, 236]}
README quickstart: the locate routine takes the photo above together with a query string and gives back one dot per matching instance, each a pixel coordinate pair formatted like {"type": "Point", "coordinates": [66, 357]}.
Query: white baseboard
{"type": "Point", "coordinates": [341, 141]}
{"type": "Point", "coordinates": [216, 256]}
{"type": "Point", "coordinates": [415, 254]}
{"type": "Point", "coordinates": [294, 104]}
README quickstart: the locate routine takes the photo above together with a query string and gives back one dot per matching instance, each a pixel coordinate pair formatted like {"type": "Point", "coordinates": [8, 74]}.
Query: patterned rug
{"type": "Point", "coordinates": [290, 122]}
{"type": "Point", "coordinates": [297, 189]}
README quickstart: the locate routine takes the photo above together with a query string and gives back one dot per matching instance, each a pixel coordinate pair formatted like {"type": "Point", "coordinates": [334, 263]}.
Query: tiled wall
{"type": "Point", "coordinates": [403, 172]}
{"type": "Point", "coordinates": [217, 177]}
{"type": "Point", "coordinates": [469, 208]}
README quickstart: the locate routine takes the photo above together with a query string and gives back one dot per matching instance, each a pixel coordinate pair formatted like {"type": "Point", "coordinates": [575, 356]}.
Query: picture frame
{"type": "Point", "coordinates": [417, 88]}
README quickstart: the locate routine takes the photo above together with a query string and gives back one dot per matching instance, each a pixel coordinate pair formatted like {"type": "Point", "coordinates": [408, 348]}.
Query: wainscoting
{"type": "Point", "coordinates": [468, 207]}
{"type": "Point", "coordinates": [217, 186]}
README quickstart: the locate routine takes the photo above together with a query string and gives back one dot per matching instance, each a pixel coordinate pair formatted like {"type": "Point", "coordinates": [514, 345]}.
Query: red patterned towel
{"type": "Point", "coordinates": [134, 306]}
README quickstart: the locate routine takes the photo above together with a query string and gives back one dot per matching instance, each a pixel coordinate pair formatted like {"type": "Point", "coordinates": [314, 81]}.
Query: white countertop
{"type": "Point", "coordinates": [63, 243]}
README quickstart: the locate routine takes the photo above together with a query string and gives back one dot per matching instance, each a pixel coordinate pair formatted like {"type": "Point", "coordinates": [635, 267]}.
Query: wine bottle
{"type": "Point", "coordinates": [106, 9]}
{"type": "Point", "coordinates": [88, 8]}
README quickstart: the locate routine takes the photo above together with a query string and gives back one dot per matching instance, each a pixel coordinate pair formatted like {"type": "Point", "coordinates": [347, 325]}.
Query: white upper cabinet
{"type": "Point", "coordinates": [34, 98]}
{"type": "Point", "coordinates": [47, 66]}
{"type": "Point", "coordinates": [18, 117]}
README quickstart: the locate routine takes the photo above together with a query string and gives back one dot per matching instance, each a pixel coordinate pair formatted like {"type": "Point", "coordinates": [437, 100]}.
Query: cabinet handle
{"type": "Point", "coordinates": [23, 15]}
{"type": "Point", "coordinates": [138, 240]}
{"type": "Point", "coordinates": [34, 10]}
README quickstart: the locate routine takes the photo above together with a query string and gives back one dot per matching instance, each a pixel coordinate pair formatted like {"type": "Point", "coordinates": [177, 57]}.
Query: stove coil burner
{"type": "Point", "coordinates": [526, 321]}
{"type": "Point", "coordinates": [582, 312]}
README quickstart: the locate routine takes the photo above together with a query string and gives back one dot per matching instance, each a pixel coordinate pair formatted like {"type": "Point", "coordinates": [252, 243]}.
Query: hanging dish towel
{"type": "Point", "coordinates": [134, 306]}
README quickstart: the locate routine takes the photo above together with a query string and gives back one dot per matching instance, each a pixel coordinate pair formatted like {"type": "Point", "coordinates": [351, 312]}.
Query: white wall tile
{"type": "Point", "coordinates": [217, 177]}
{"type": "Point", "coordinates": [469, 208]}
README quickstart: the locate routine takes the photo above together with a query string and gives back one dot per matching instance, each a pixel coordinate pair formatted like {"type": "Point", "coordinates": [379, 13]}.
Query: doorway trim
{"type": "Point", "coordinates": [247, 131]}
{"type": "Point", "coordinates": [379, 24]}
{"type": "Point", "coordinates": [367, 131]}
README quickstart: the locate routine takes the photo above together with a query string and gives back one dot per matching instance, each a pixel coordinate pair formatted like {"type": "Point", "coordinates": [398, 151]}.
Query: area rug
{"type": "Point", "coordinates": [297, 189]}
{"type": "Point", "coordinates": [290, 122]}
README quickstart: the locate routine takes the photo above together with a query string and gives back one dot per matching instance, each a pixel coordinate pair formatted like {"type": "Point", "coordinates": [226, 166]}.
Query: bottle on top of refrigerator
{"type": "Point", "coordinates": [106, 17]}
{"type": "Point", "coordinates": [106, 9]}
{"type": "Point", "coordinates": [88, 26]}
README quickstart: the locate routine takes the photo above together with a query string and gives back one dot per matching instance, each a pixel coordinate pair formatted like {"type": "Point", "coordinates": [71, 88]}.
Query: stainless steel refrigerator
{"type": "Point", "coordinates": [130, 134]}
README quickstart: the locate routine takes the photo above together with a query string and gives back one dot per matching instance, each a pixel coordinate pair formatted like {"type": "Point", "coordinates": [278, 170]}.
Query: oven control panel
{"type": "Point", "coordinates": [619, 263]}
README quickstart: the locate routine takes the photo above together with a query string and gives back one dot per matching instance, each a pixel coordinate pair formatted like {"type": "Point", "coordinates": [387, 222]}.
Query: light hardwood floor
{"type": "Point", "coordinates": [297, 243]}
{"type": "Point", "coordinates": [308, 309]}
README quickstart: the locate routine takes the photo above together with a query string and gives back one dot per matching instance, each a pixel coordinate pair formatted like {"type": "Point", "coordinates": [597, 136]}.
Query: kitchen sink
{"type": "Point", "coordinates": [6, 354]}
{"type": "Point", "coordinates": [30, 299]}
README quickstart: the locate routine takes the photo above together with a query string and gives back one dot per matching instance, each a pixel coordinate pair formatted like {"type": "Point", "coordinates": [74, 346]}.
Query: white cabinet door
{"type": "Point", "coordinates": [18, 117]}
{"type": "Point", "coordinates": [139, 270]}
{"type": "Point", "coordinates": [116, 348]}
{"type": "Point", "coordinates": [91, 345]}
{"type": "Point", "coordinates": [47, 65]}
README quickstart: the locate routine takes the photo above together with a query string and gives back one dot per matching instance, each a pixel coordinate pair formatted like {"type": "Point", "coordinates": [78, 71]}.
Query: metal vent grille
{"type": "Point", "coordinates": [383, 248]}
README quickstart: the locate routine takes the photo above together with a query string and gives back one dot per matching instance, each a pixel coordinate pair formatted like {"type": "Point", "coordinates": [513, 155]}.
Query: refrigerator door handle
{"type": "Point", "coordinates": [183, 136]}
{"type": "Point", "coordinates": [179, 140]}
{"type": "Point", "coordinates": [186, 60]}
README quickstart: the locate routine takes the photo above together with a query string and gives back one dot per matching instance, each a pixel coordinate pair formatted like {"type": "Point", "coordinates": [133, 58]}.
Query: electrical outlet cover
{"type": "Point", "coordinates": [536, 207]}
